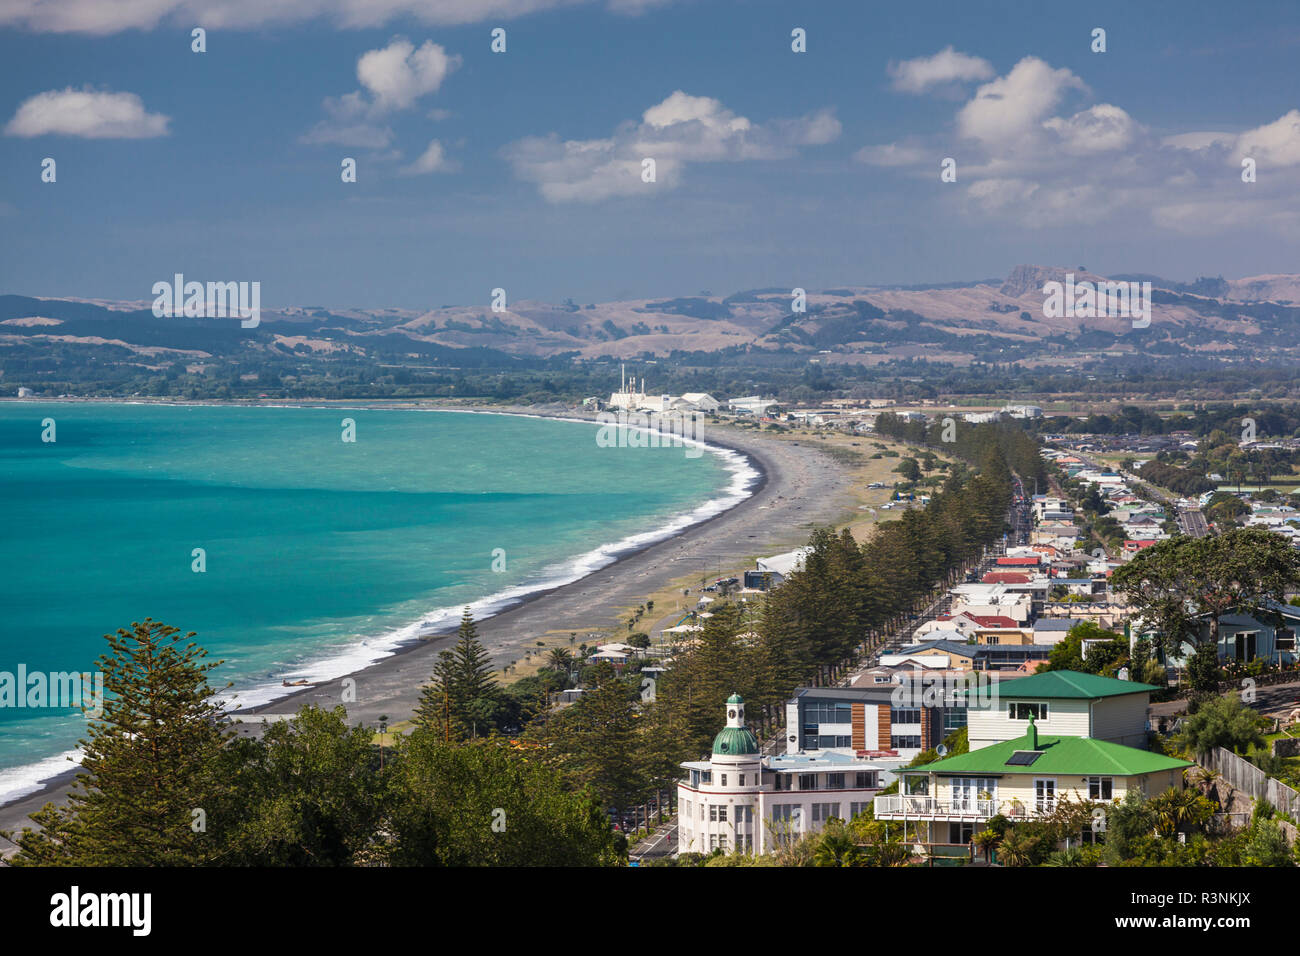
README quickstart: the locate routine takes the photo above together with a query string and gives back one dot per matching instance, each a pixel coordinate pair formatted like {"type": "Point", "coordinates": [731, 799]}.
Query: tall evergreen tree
{"type": "Point", "coordinates": [463, 699]}
{"type": "Point", "coordinates": [154, 789]}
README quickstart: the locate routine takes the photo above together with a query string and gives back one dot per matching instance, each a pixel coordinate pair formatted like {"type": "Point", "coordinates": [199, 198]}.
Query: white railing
{"type": "Point", "coordinates": [922, 806]}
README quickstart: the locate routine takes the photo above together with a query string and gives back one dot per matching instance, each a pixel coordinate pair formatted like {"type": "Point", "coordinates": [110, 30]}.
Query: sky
{"type": "Point", "coordinates": [524, 169]}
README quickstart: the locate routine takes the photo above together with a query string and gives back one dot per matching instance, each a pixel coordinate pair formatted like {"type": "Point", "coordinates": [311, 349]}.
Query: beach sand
{"type": "Point", "coordinates": [800, 488]}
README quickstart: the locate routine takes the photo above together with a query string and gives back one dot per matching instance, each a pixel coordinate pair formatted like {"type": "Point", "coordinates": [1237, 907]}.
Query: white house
{"type": "Point", "coordinates": [739, 800]}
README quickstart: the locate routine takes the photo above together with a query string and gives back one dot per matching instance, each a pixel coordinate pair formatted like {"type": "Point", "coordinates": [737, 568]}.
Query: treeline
{"type": "Point", "coordinates": [1019, 450]}
{"type": "Point", "coordinates": [1180, 481]}
{"type": "Point", "coordinates": [165, 782]}
{"type": "Point", "coordinates": [1272, 420]}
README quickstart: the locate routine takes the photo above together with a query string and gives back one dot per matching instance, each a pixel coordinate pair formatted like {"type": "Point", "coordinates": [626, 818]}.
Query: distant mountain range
{"type": "Point", "coordinates": [986, 320]}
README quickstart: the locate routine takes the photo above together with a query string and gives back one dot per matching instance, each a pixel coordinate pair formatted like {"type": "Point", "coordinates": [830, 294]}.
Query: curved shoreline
{"type": "Point", "coordinates": [797, 490]}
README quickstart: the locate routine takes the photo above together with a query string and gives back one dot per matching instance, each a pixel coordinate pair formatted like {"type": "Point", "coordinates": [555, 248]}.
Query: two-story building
{"type": "Point", "coordinates": [739, 800]}
{"type": "Point", "coordinates": [1064, 703]}
{"type": "Point", "coordinates": [869, 720]}
{"type": "Point", "coordinates": [950, 800]}
{"type": "Point", "coordinates": [1033, 742]}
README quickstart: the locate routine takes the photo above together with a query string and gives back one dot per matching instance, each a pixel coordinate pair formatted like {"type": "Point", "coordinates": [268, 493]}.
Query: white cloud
{"type": "Point", "coordinates": [944, 68]}
{"type": "Point", "coordinates": [87, 113]}
{"type": "Point", "coordinates": [1274, 144]}
{"type": "Point", "coordinates": [393, 78]}
{"type": "Point", "coordinates": [1099, 129]}
{"type": "Point", "coordinates": [1021, 159]}
{"type": "Point", "coordinates": [682, 129]}
{"type": "Point", "coordinates": [399, 74]}
{"type": "Point", "coordinates": [432, 160]}
{"type": "Point", "coordinates": [1014, 105]}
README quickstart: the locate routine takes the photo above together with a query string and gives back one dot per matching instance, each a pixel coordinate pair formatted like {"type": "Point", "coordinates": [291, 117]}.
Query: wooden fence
{"type": "Point", "coordinates": [1248, 778]}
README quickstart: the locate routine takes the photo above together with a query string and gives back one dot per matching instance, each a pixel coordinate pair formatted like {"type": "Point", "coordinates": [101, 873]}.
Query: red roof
{"type": "Point", "coordinates": [1137, 544]}
{"type": "Point", "coordinates": [1005, 577]}
{"type": "Point", "coordinates": [1031, 561]}
{"type": "Point", "coordinates": [993, 620]}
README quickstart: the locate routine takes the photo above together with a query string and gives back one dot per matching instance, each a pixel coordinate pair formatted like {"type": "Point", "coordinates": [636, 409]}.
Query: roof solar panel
{"type": "Point", "coordinates": [1023, 758]}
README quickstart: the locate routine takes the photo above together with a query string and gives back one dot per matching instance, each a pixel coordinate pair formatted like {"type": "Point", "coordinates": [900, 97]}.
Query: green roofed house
{"type": "Point", "coordinates": [1063, 703]}
{"type": "Point", "coordinates": [1035, 741]}
{"type": "Point", "coordinates": [1021, 779]}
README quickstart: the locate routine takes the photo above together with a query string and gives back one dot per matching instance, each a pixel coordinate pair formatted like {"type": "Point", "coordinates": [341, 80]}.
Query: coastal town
{"type": "Point", "coordinates": [643, 436]}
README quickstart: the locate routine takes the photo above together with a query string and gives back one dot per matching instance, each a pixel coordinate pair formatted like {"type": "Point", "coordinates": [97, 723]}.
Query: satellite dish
{"type": "Point", "coordinates": [941, 750]}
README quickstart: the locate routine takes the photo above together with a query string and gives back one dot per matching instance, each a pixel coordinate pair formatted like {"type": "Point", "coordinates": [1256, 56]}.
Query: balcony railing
{"type": "Point", "coordinates": [921, 806]}
{"type": "Point", "coordinates": [962, 808]}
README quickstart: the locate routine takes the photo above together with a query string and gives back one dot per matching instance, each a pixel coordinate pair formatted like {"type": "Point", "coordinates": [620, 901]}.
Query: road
{"type": "Point", "coordinates": [1190, 519]}
{"type": "Point", "coordinates": [661, 843]}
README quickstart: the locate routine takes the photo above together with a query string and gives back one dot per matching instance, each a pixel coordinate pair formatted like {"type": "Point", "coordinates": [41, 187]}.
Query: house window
{"type": "Point", "coordinates": [954, 718]}
{"type": "Point", "coordinates": [1285, 639]}
{"type": "Point", "coordinates": [905, 715]}
{"type": "Point", "coordinates": [722, 814]}
{"type": "Point", "coordinates": [807, 781]}
{"type": "Point", "coordinates": [1100, 788]}
{"type": "Point", "coordinates": [1044, 795]}
{"type": "Point", "coordinates": [713, 813]}
{"type": "Point", "coordinates": [856, 808]}
{"type": "Point", "coordinates": [827, 712]}
{"type": "Point", "coordinates": [724, 779]}
{"type": "Point", "coordinates": [707, 777]}
{"type": "Point", "coordinates": [968, 791]}
{"type": "Point", "coordinates": [821, 812]}
{"type": "Point", "coordinates": [904, 741]}
{"type": "Point", "coordinates": [784, 781]}
{"type": "Point", "coordinates": [1244, 644]}
{"type": "Point", "coordinates": [742, 780]}
{"type": "Point", "coordinates": [835, 781]}
{"type": "Point", "coordinates": [864, 779]}
{"type": "Point", "coordinates": [1023, 710]}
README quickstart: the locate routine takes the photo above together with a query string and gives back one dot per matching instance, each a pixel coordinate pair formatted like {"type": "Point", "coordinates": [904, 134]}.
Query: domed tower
{"type": "Point", "coordinates": [735, 739]}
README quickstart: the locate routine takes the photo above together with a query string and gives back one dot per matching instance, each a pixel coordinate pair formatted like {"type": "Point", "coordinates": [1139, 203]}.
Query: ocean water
{"type": "Point", "coordinates": [321, 555]}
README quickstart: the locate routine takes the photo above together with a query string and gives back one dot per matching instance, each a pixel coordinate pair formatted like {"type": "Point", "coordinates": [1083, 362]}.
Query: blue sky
{"type": "Point", "coordinates": [774, 168]}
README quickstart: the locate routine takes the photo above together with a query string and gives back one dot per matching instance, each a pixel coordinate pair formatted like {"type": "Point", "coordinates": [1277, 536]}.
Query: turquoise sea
{"type": "Point", "coordinates": [321, 555]}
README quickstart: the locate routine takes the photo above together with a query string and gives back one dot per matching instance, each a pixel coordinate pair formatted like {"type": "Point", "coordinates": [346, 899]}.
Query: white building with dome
{"type": "Point", "coordinates": [740, 800]}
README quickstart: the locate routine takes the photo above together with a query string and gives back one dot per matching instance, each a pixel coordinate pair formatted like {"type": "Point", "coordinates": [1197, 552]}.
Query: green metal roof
{"type": "Point", "coordinates": [1068, 684]}
{"type": "Point", "coordinates": [735, 699]}
{"type": "Point", "coordinates": [735, 740]}
{"type": "Point", "coordinates": [1079, 756]}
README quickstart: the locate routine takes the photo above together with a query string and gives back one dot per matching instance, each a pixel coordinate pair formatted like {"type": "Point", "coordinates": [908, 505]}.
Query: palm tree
{"type": "Point", "coordinates": [987, 841]}
{"type": "Point", "coordinates": [1017, 848]}
{"type": "Point", "coordinates": [559, 660]}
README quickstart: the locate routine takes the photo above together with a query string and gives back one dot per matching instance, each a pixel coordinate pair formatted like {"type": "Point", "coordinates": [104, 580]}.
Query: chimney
{"type": "Point", "coordinates": [1032, 733]}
